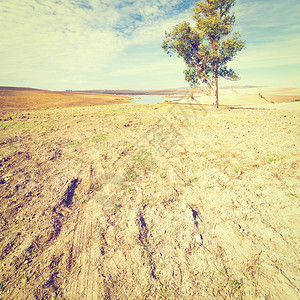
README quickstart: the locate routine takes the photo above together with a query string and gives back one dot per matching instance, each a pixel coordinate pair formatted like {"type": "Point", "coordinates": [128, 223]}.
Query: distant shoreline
{"type": "Point", "coordinates": [14, 98]}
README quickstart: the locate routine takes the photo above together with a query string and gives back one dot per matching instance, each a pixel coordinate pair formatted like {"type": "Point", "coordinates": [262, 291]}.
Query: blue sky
{"type": "Point", "coordinates": [114, 44]}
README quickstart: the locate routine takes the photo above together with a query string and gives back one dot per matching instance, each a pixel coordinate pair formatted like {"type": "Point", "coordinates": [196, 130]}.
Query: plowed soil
{"type": "Point", "coordinates": [26, 98]}
{"type": "Point", "coordinates": [149, 202]}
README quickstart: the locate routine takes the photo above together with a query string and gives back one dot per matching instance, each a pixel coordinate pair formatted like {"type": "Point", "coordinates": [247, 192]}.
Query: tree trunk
{"type": "Point", "coordinates": [216, 87]}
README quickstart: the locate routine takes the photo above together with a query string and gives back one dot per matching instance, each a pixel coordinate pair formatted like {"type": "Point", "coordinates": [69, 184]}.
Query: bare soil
{"type": "Point", "coordinates": [12, 98]}
{"type": "Point", "coordinates": [149, 202]}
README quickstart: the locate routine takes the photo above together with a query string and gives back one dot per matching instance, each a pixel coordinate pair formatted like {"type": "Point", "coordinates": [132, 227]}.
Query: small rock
{"type": "Point", "coordinates": [198, 238]}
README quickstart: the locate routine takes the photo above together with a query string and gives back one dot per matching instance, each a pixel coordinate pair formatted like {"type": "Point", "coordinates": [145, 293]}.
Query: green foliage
{"type": "Point", "coordinates": [72, 143]}
{"type": "Point", "coordinates": [99, 138]}
{"type": "Point", "coordinates": [262, 97]}
{"type": "Point", "coordinates": [236, 170]}
{"type": "Point", "coordinates": [190, 181]}
{"type": "Point", "coordinates": [294, 195]}
{"type": "Point", "coordinates": [162, 175]}
{"type": "Point", "coordinates": [131, 175]}
{"type": "Point", "coordinates": [236, 286]}
{"type": "Point", "coordinates": [208, 48]}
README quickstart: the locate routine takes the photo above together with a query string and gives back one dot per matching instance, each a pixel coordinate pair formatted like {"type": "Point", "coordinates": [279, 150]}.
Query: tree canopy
{"type": "Point", "coordinates": [209, 46]}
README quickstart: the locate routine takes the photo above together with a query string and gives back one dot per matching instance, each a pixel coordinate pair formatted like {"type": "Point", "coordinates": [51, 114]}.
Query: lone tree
{"type": "Point", "coordinates": [207, 48]}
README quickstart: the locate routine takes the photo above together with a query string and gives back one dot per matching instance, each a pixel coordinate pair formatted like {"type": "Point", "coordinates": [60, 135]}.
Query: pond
{"type": "Point", "coordinates": [154, 99]}
{"type": "Point", "coordinates": [148, 99]}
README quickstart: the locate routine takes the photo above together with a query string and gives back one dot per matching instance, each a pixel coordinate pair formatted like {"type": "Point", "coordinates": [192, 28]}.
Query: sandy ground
{"type": "Point", "coordinates": [251, 96]}
{"type": "Point", "coordinates": [278, 106]}
{"type": "Point", "coordinates": [149, 202]}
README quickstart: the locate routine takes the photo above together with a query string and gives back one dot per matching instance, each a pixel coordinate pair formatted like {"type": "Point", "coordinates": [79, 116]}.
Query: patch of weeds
{"type": "Point", "coordinates": [295, 100]}
{"type": "Point", "coordinates": [82, 200]}
{"type": "Point", "coordinates": [235, 286]}
{"type": "Point", "coordinates": [8, 124]}
{"type": "Point", "coordinates": [139, 159]}
{"type": "Point", "coordinates": [262, 97]}
{"type": "Point", "coordinates": [24, 125]}
{"type": "Point", "coordinates": [101, 232]}
{"type": "Point", "coordinates": [115, 111]}
{"type": "Point", "coordinates": [2, 290]}
{"type": "Point", "coordinates": [99, 138]}
{"type": "Point", "coordinates": [190, 181]}
{"type": "Point", "coordinates": [72, 143]}
{"type": "Point", "coordinates": [236, 170]}
{"type": "Point", "coordinates": [209, 187]}
{"type": "Point", "coordinates": [25, 279]}
{"type": "Point", "coordinates": [258, 187]}
{"type": "Point", "coordinates": [117, 207]}
{"type": "Point", "coordinates": [130, 175]}
{"type": "Point", "coordinates": [271, 159]}
{"type": "Point", "coordinates": [162, 288]}
{"type": "Point", "coordinates": [162, 176]}
{"type": "Point", "coordinates": [294, 195]}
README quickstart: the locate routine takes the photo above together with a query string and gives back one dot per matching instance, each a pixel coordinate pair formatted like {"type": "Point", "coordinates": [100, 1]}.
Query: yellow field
{"type": "Point", "coordinates": [16, 99]}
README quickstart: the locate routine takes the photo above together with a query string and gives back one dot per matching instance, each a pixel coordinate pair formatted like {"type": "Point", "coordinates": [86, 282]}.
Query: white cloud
{"type": "Point", "coordinates": [89, 41]}
{"type": "Point", "coordinates": [269, 54]}
{"type": "Point", "coordinates": [46, 35]}
{"type": "Point", "coordinates": [75, 36]}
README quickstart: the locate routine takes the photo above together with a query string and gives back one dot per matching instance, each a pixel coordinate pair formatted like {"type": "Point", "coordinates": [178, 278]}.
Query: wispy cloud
{"type": "Point", "coordinates": [91, 43]}
{"type": "Point", "coordinates": [76, 36]}
{"type": "Point", "coordinates": [263, 20]}
{"type": "Point", "coordinates": [270, 54]}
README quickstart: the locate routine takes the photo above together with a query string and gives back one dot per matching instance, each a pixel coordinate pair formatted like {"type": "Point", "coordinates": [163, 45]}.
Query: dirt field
{"type": "Point", "coordinates": [27, 98]}
{"type": "Point", "coordinates": [149, 202]}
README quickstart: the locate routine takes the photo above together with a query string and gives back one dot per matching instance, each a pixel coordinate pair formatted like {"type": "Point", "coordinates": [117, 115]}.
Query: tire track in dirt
{"type": "Point", "coordinates": [83, 281]}
{"type": "Point", "coordinates": [84, 278]}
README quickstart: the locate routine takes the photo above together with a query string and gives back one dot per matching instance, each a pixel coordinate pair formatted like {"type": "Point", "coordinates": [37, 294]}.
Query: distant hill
{"type": "Point", "coordinates": [180, 91]}
{"type": "Point", "coordinates": [174, 91]}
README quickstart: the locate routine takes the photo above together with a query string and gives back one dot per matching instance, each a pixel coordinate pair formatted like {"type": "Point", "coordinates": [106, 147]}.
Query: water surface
{"type": "Point", "coordinates": [148, 99]}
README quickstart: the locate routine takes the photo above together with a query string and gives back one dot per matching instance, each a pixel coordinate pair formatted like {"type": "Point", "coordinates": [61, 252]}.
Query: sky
{"type": "Point", "coordinates": [116, 44]}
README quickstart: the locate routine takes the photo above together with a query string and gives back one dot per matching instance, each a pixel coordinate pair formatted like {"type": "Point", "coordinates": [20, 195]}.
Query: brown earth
{"type": "Point", "coordinates": [149, 202]}
{"type": "Point", "coordinates": [26, 98]}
